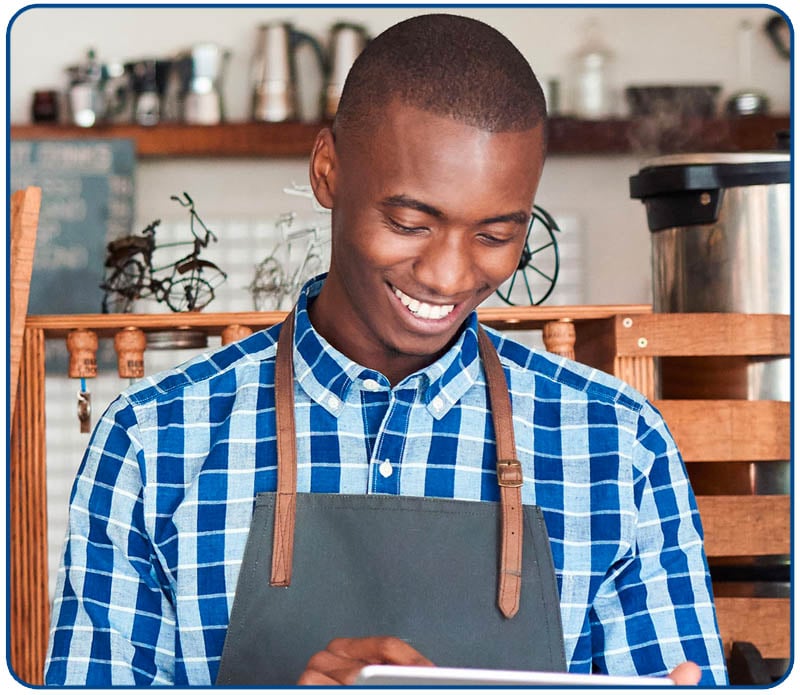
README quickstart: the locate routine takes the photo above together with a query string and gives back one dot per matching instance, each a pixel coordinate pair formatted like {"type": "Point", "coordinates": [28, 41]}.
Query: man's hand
{"type": "Point", "coordinates": [687, 673]}
{"type": "Point", "coordinates": [342, 659]}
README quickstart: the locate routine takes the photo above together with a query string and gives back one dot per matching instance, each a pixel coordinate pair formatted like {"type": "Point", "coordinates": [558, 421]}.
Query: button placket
{"type": "Point", "coordinates": [390, 444]}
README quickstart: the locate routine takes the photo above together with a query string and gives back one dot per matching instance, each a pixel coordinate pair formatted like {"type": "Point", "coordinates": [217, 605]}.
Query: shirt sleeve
{"type": "Point", "coordinates": [113, 623]}
{"type": "Point", "coordinates": [654, 609]}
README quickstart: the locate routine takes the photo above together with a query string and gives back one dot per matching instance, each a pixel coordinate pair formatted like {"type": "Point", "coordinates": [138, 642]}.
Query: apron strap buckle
{"type": "Point", "coordinates": [509, 473]}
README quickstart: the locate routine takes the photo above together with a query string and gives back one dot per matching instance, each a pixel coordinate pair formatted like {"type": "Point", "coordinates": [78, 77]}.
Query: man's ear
{"type": "Point", "coordinates": [322, 168]}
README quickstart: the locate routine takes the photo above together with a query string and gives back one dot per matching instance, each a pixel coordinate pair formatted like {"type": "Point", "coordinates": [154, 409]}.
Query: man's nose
{"type": "Point", "coordinates": [447, 266]}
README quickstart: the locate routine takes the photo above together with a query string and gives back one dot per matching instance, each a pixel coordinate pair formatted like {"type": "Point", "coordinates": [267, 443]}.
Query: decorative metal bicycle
{"type": "Point", "coordinates": [298, 256]}
{"type": "Point", "coordinates": [536, 274]}
{"type": "Point", "coordinates": [187, 284]}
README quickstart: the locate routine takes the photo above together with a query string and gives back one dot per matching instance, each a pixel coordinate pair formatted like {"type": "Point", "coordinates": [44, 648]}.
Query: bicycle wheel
{"type": "Point", "coordinates": [188, 294]}
{"type": "Point", "coordinates": [122, 287]}
{"type": "Point", "coordinates": [267, 286]}
{"type": "Point", "coordinates": [537, 271]}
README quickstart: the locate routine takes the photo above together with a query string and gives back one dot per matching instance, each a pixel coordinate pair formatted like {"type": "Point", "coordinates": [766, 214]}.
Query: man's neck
{"type": "Point", "coordinates": [393, 365]}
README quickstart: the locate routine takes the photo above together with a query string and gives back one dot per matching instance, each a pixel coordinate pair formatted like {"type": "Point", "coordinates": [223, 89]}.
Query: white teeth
{"type": "Point", "coordinates": [423, 309]}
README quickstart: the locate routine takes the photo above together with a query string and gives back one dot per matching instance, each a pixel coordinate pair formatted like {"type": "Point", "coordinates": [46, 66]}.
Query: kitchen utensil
{"type": "Point", "coordinates": [147, 110]}
{"type": "Point", "coordinates": [204, 104]}
{"type": "Point", "coordinates": [747, 101]}
{"type": "Point", "coordinates": [85, 95]}
{"type": "Point", "coordinates": [193, 89]}
{"type": "Point", "coordinates": [347, 40]}
{"type": "Point", "coordinates": [274, 71]}
{"type": "Point", "coordinates": [118, 92]}
{"type": "Point", "coordinates": [98, 93]}
{"type": "Point", "coordinates": [780, 35]}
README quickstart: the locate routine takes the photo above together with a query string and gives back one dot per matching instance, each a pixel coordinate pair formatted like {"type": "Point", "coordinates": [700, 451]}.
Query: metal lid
{"type": "Point", "coordinates": [693, 158]}
{"type": "Point", "coordinates": [709, 171]}
{"type": "Point", "coordinates": [178, 339]}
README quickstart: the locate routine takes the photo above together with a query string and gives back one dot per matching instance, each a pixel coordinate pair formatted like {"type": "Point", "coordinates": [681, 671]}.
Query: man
{"type": "Point", "coordinates": [182, 564]}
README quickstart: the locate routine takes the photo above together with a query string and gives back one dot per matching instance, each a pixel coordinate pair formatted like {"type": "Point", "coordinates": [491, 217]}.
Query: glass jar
{"type": "Point", "coordinates": [592, 68]}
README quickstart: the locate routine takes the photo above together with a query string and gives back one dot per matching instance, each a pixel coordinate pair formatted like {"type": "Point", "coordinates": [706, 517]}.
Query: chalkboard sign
{"type": "Point", "coordinates": [87, 199]}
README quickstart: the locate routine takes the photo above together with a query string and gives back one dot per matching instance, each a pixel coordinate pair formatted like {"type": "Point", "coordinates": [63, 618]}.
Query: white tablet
{"type": "Point", "coordinates": [433, 675]}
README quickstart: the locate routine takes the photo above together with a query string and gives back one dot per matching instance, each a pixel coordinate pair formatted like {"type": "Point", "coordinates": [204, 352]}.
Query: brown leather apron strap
{"type": "Point", "coordinates": [509, 470]}
{"type": "Point", "coordinates": [509, 477]}
{"type": "Point", "coordinates": [286, 498]}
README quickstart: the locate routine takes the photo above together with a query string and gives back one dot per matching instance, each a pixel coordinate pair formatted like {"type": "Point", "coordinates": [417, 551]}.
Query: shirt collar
{"type": "Point", "coordinates": [328, 376]}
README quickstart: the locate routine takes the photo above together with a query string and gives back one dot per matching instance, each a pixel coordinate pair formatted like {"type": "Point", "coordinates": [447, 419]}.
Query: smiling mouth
{"type": "Point", "coordinates": [423, 310]}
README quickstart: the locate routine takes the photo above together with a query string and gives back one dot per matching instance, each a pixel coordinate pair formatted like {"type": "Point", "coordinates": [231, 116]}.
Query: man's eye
{"type": "Point", "coordinates": [405, 229]}
{"type": "Point", "coordinates": [494, 239]}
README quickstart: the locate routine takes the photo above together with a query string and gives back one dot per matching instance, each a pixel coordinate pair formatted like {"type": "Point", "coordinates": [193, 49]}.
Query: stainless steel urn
{"type": "Point", "coordinates": [720, 228]}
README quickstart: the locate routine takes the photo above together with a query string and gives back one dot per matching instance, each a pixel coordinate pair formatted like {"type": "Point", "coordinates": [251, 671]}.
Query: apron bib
{"type": "Point", "coordinates": [420, 569]}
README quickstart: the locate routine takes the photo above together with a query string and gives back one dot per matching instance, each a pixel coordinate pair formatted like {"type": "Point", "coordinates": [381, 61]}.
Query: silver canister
{"type": "Point", "coordinates": [205, 70]}
{"type": "Point", "coordinates": [721, 243]}
{"type": "Point", "coordinates": [720, 226]}
{"type": "Point", "coordinates": [274, 72]}
{"type": "Point", "coordinates": [347, 40]}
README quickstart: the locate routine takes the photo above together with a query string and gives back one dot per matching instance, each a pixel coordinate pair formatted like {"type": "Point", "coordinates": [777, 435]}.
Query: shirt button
{"type": "Point", "coordinates": [333, 402]}
{"type": "Point", "coordinates": [385, 469]}
{"type": "Point", "coordinates": [437, 403]}
{"type": "Point", "coordinates": [371, 385]}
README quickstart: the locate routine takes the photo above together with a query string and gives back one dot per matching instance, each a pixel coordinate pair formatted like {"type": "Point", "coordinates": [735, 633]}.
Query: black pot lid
{"type": "Point", "coordinates": [709, 171]}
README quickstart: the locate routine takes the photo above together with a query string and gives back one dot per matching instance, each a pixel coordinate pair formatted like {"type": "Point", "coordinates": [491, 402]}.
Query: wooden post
{"type": "Point", "coordinates": [29, 595]}
{"type": "Point", "coordinates": [25, 207]}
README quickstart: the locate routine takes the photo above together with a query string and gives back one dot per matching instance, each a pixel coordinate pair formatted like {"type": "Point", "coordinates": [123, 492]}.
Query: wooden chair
{"type": "Point", "coordinates": [720, 433]}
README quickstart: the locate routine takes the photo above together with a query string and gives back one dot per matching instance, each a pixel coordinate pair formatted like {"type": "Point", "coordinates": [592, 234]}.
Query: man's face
{"type": "Point", "coordinates": [429, 217]}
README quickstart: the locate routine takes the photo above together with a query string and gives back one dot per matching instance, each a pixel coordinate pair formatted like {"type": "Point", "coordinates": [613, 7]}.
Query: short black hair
{"type": "Point", "coordinates": [448, 65]}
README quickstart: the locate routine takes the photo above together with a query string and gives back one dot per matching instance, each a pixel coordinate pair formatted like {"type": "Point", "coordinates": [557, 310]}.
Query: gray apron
{"type": "Point", "coordinates": [416, 568]}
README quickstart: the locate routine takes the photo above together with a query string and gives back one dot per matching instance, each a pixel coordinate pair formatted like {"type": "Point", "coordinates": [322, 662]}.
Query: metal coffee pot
{"type": "Point", "coordinates": [191, 85]}
{"type": "Point", "coordinates": [274, 71]}
{"type": "Point", "coordinates": [203, 102]}
{"type": "Point", "coordinates": [347, 40]}
{"type": "Point", "coordinates": [97, 93]}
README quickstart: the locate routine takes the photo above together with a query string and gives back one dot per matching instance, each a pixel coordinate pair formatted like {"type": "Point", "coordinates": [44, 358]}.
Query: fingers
{"type": "Point", "coordinates": [325, 668]}
{"type": "Point", "coordinates": [340, 662]}
{"type": "Point", "coordinates": [687, 673]}
{"type": "Point", "coordinates": [379, 650]}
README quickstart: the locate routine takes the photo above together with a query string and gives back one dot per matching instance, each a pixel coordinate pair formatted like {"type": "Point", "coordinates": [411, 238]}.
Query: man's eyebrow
{"type": "Point", "coordinates": [519, 217]}
{"type": "Point", "coordinates": [404, 201]}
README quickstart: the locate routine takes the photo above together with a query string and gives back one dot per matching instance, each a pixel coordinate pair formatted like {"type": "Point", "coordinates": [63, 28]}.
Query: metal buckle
{"type": "Point", "coordinates": [509, 473]}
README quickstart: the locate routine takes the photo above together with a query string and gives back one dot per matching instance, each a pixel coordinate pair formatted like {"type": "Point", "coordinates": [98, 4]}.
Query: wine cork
{"type": "Point", "coordinates": [559, 337]}
{"type": "Point", "coordinates": [82, 346]}
{"type": "Point", "coordinates": [235, 332]}
{"type": "Point", "coordinates": [130, 344]}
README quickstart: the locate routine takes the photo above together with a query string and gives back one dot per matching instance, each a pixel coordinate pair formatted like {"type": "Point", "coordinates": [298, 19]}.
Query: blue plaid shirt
{"type": "Point", "coordinates": [161, 507]}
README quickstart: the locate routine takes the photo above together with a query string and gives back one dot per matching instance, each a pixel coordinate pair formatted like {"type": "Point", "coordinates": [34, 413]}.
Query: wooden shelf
{"type": "Point", "coordinates": [502, 318]}
{"type": "Point", "coordinates": [175, 140]}
{"type": "Point", "coordinates": [568, 136]}
{"type": "Point", "coordinates": [647, 136]}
